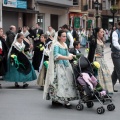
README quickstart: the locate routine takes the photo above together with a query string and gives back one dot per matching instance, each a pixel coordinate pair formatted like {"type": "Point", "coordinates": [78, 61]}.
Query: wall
{"type": "Point", "coordinates": [9, 19]}
{"type": "Point", "coordinates": [62, 13]}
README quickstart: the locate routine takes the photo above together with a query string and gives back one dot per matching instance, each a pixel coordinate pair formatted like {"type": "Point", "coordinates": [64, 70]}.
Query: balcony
{"type": "Point", "coordinates": [59, 3]}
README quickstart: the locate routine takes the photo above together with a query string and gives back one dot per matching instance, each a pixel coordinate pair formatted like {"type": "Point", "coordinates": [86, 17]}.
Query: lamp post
{"type": "Point", "coordinates": [113, 10]}
{"type": "Point", "coordinates": [97, 5]}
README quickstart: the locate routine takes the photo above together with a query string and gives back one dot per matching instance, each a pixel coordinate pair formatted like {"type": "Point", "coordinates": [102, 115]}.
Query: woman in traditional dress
{"type": "Point", "coordinates": [19, 67]}
{"type": "Point", "coordinates": [44, 65]}
{"type": "Point", "coordinates": [3, 54]}
{"type": "Point", "coordinates": [83, 38]}
{"type": "Point", "coordinates": [104, 75]}
{"type": "Point", "coordinates": [59, 83]}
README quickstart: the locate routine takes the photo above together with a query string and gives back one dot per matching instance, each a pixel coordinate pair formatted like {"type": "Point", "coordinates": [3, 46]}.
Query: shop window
{"type": "Point", "coordinates": [75, 2]}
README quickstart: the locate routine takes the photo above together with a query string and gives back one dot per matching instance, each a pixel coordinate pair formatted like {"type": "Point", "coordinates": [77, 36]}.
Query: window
{"type": "Point", "coordinates": [75, 2]}
{"type": "Point", "coordinates": [41, 20]}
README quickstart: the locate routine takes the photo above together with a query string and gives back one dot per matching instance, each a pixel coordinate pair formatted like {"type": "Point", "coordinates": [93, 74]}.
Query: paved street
{"type": "Point", "coordinates": [28, 104]}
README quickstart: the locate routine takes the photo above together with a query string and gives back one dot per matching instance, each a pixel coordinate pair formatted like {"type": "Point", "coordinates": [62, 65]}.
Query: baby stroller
{"type": "Point", "coordinates": [88, 88]}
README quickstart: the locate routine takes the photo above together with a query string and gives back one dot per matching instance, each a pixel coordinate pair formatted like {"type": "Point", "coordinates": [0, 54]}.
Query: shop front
{"type": "Point", "coordinates": [17, 12]}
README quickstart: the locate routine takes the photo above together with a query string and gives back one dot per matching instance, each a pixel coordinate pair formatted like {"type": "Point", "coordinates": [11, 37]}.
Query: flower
{"type": "Point", "coordinates": [96, 64]}
{"type": "Point", "coordinates": [13, 56]}
{"type": "Point", "coordinates": [41, 47]}
{"type": "Point", "coordinates": [38, 35]}
{"type": "Point", "coordinates": [87, 50]}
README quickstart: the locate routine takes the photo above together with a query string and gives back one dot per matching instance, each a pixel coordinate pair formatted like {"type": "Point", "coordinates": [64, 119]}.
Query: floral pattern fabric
{"type": "Point", "coordinates": [63, 87]}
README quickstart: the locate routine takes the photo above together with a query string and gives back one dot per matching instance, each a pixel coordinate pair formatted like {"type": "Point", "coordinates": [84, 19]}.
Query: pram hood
{"type": "Point", "coordinates": [84, 65]}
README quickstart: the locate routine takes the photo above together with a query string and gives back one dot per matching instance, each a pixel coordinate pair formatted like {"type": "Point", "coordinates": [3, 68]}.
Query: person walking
{"type": "Point", "coordinates": [10, 35]}
{"type": "Point", "coordinates": [115, 48]}
{"type": "Point", "coordinates": [59, 83]}
{"type": "Point", "coordinates": [104, 75]}
{"type": "Point", "coordinates": [19, 67]}
{"type": "Point", "coordinates": [3, 55]}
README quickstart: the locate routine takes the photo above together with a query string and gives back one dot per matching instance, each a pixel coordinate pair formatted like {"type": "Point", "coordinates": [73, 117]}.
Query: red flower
{"type": "Point", "coordinates": [0, 51]}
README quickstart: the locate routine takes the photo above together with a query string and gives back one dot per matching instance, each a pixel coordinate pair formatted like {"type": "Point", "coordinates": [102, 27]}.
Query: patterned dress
{"type": "Point", "coordinates": [104, 76]}
{"type": "Point", "coordinates": [62, 87]}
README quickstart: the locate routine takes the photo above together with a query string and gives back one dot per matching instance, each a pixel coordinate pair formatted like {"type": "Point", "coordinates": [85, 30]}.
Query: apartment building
{"type": "Point", "coordinates": [85, 11]}
{"type": "Point", "coordinates": [18, 13]}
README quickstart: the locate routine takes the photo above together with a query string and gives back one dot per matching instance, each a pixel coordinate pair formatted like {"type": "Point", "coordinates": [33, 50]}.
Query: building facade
{"type": "Point", "coordinates": [18, 12]}
{"type": "Point", "coordinates": [52, 13]}
{"type": "Point", "coordinates": [85, 10]}
{"type": "Point", "coordinates": [107, 15]}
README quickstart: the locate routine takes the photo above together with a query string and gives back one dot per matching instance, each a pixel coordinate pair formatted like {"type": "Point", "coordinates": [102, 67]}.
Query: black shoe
{"type": "Point", "coordinates": [56, 103]}
{"type": "Point", "coordinates": [25, 85]}
{"type": "Point", "coordinates": [115, 90]}
{"type": "Point", "coordinates": [68, 106]}
{"type": "Point", "coordinates": [16, 85]}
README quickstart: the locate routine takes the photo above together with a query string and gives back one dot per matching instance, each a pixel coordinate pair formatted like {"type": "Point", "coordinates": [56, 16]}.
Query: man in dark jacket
{"type": "Point", "coordinates": [37, 33]}
{"type": "Point", "coordinates": [10, 35]}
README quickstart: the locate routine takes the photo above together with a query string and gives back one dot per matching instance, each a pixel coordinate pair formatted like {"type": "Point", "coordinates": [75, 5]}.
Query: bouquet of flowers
{"type": "Point", "coordinates": [14, 61]}
{"type": "Point", "coordinates": [95, 66]}
{"type": "Point", "coordinates": [41, 47]}
{"type": "Point", "coordinates": [75, 59]}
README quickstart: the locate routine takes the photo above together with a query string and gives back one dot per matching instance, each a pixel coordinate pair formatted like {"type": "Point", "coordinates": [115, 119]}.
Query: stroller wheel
{"type": "Point", "coordinates": [111, 107]}
{"type": "Point", "coordinates": [80, 107]}
{"type": "Point", "coordinates": [100, 110]}
{"type": "Point", "coordinates": [90, 104]}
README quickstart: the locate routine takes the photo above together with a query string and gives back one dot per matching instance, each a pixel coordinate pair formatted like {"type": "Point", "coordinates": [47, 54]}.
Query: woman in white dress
{"type": "Point", "coordinates": [59, 83]}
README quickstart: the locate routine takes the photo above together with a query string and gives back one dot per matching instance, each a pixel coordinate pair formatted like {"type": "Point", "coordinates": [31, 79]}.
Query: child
{"type": "Point", "coordinates": [44, 65]}
{"type": "Point", "coordinates": [76, 49]}
{"type": "Point", "coordinates": [38, 51]}
{"type": "Point", "coordinates": [19, 67]}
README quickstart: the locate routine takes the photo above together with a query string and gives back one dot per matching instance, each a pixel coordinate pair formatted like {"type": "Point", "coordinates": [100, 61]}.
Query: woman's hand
{"type": "Point", "coordinates": [70, 57]}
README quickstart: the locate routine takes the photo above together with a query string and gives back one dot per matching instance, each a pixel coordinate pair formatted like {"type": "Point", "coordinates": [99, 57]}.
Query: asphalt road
{"type": "Point", "coordinates": [28, 104]}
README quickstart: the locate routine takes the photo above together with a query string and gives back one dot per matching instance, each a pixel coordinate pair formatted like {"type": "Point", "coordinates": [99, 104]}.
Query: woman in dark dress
{"type": "Point", "coordinates": [3, 54]}
{"type": "Point", "coordinates": [19, 67]}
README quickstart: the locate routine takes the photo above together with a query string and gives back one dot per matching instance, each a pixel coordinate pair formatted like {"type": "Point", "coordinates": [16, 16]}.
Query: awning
{"type": "Point", "coordinates": [20, 10]}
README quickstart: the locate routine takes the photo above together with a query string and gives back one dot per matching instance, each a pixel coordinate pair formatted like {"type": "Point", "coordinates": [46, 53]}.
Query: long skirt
{"type": "Point", "coordinates": [104, 76]}
{"type": "Point", "coordinates": [41, 77]}
{"type": "Point", "coordinates": [13, 75]}
{"type": "Point", "coordinates": [63, 87]}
